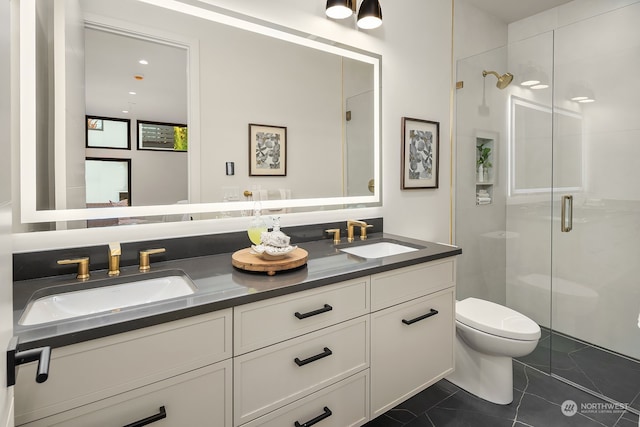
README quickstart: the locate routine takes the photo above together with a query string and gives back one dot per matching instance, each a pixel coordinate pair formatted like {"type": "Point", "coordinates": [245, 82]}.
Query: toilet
{"type": "Point", "coordinates": [488, 336]}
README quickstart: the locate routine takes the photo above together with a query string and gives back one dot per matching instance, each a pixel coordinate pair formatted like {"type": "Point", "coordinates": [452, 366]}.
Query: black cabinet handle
{"type": "Point", "coordinates": [417, 319]}
{"type": "Point", "coordinates": [324, 309]}
{"type": "Point", "coordinates": [15, 358]}
{"type": "Point", "coordinates": [326, 414]}
{"type": "Point", "coordinates": [152, 419]}
{"type": "Point", "coordinates": [325, 353]}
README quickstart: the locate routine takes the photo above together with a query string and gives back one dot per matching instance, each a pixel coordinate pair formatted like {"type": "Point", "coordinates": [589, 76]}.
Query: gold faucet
{"type": "Point", "coordinates": [144, 258]}
{"type": "Point", "coordinates": [336, 235]}
{"type": "Point", "coordinates": [114, 258]}
{"type": "Point", "coordinates": [83, 266]}
{"type": "Point", "coordinates": [363, 229]}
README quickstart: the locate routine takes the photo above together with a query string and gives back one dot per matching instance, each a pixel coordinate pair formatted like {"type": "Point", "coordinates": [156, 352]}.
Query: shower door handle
{"type": "Point", "coordinates": [566, 217]}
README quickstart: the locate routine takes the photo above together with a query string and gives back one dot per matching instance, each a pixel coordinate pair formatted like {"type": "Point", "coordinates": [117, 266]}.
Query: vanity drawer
{"type": "Point", "coordinates": [407, 358]}
{"type": "Point", "coordinates": [87, 372]}
{"type": "Point", "coordinates": [197, 398]}
{"type": "Point", "coordinates": [269, 378]}
{"type": "Point", "coordinates": [267, 322]}
{"type": "Point", "coordinates": [344, 404]}
{"type": "Point", "coordinates": [397, 286]}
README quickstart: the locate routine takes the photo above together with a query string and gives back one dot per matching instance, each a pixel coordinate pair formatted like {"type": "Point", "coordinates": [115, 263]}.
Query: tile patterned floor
{"type": "Point", "coordinates": [603, 372]}
{"type": "Point", "coordinates": [538, 402]}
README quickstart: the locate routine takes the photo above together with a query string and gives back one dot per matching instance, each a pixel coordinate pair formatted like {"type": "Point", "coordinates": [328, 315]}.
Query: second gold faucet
{"type": "Point", "coordinates": [363, 229]}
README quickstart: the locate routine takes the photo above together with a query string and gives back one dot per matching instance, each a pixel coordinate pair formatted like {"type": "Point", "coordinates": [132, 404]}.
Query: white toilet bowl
{"type": "Point", "coordinates": [488, 336]}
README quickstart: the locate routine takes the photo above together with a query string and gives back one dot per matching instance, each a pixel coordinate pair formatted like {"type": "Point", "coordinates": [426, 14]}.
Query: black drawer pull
{"type": "Point", "coordinates": [324, 309]}
{"type": "Point", "coordinates": [417, 319]}
{"type": "Point", "coordinates": [326, 414]}
{"type": "Point", "coordinates": [152, 419]}
{"type": "Point", "coordinates": [325, 353]}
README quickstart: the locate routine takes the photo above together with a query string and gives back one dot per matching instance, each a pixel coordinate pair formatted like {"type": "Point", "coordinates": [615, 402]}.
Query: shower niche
{"type": "Point", "coordinates": [485, 166]}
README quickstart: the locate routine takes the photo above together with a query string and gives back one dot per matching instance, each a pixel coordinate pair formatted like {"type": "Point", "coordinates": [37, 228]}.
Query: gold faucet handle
{"type": "Point", "coordinates": [114, 259]}
{"type": "Point", "coordinates": [363, 231]}
{"type": "Point", "coordinates": [336, 235]}
{"type": "Point", "coordinates": [144, 258]}
{"type": "Point", "coordinates": [83, 266]}
{"type": "Point", "coordinates": [114, 249]}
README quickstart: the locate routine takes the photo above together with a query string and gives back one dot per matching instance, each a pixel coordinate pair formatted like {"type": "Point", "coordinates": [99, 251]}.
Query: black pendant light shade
{"type": "Point", "coordinates": [339, 9]}
{"type": "Point", "coordinates": [369, 15]}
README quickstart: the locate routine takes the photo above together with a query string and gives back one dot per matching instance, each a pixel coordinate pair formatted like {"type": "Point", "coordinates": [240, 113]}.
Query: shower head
{"type": "Point", "coordinates": [503, 80]}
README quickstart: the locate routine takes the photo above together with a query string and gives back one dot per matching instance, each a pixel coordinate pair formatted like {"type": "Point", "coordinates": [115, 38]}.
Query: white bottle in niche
{"type": "Point", "coordinates": [481, 173]}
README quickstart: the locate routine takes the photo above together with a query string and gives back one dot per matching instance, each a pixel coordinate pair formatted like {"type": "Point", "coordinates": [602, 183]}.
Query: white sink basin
{"type": "Point", "coordinates": [378, 250]}
{"type": "Point", "coordinates": [104, 299]}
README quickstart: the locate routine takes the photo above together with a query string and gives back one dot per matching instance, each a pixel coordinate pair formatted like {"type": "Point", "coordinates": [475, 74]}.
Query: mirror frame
{"type": "Point", "coordinates": [27, 65]}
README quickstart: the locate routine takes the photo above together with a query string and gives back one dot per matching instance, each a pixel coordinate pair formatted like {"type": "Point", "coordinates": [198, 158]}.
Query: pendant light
{"type": "Point", "coordinates": [370, 14]}
{"type": "Point", "coordinates": [339, 9]}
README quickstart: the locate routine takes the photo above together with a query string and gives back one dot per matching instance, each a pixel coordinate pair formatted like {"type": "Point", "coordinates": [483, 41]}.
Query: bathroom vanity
{"type": "Point", "coordinates": [338, 341]}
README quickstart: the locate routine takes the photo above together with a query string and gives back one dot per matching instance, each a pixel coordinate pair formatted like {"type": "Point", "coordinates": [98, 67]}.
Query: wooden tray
{"type": "Point", "coordinates": [245, 260]}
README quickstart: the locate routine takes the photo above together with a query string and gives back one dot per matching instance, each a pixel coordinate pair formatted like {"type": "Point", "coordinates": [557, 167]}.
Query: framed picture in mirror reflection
{"type": "Point", "coordinates": [267, 150]}
{"type": "Point", "coordinates": [420, 152]}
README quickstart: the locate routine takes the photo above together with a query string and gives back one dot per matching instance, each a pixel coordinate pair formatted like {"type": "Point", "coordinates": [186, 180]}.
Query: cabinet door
{"type": "Point", "coordinates": [345, 404]}
{"type": "Point", "coordinates": [272, 377]}
{"type": "Point", "coordinates": [411, 348]}
{"type": "Point", "coordinates": [93, 370]}
{"type": "Point", "coordinates": [198, 398]}
{"type": "Point", "coordinates": [274, 320]}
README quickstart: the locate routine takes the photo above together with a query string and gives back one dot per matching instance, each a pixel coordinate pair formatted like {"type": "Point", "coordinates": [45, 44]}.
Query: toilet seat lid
{"type": "Point", "coordinates": [496, 319]}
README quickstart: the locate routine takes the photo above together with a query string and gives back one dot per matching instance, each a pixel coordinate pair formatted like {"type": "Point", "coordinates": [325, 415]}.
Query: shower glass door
{"type": "Point", "coordinates": [596, 205]}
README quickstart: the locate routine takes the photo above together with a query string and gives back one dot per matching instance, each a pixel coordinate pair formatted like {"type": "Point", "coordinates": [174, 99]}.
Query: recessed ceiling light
{"type": "Point", "coordinates": [540, 86]}
{"type": "Point", "coordinates": [579, 98]}
{"type": "Point", "coordinates": [143, 62]}
{"type": "Point", "coordinates": [530, 83]}
{"type": "Point", "coordinates": [125, 111]}
{"type": "Point", "coordinates": [132, 93]}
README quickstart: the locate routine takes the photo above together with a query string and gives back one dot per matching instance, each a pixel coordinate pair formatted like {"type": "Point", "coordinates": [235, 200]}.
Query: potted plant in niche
{"type": "Point", "coordinates": [482, 161]}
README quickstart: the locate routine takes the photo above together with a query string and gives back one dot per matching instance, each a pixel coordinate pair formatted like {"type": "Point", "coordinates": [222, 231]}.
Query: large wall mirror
{"type": "Point", "coordinates": [173, 62]}
{"type": "Point", "coordinates": [539, 134]}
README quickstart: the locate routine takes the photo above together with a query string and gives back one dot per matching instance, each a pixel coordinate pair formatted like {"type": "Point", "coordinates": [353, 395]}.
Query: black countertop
{"type": "Point", "coordinates": [219, 286]}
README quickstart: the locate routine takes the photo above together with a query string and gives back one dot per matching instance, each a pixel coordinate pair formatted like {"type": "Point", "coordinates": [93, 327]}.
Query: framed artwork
{"type": "Point", "coordinates": [267, 150]}
{"type": "Point", "coordinates": [420, 153]}
{"type": "Point", "coordinates": [159, 136]}
{"type": "Point", "coordinates": [94, 123]}
{"type": "Point", "coordinates": [108, 132]}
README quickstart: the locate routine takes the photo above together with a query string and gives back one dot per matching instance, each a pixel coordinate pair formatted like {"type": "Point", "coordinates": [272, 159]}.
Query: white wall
{"type": "Point", "coordinates": [416, 52]}
{"type": "Point", "coordinates": [415, 42]}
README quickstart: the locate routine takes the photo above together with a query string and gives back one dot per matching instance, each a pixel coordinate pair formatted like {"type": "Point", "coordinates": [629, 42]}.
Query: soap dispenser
{"type": "Point", "coordinates": [257, 225]}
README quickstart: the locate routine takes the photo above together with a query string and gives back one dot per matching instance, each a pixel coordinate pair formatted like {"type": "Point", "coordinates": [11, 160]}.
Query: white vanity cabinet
{"type": "Point", "coordinates": [412, 331]}
{"type": "Point", "coordinates": [92, 371]}
{"type": "Point", "coordinates": [336, 356]}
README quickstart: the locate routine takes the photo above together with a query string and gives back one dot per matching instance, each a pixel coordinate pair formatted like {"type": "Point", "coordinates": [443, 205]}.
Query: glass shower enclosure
{"type": "Point", "coordinates": [552, 229]}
